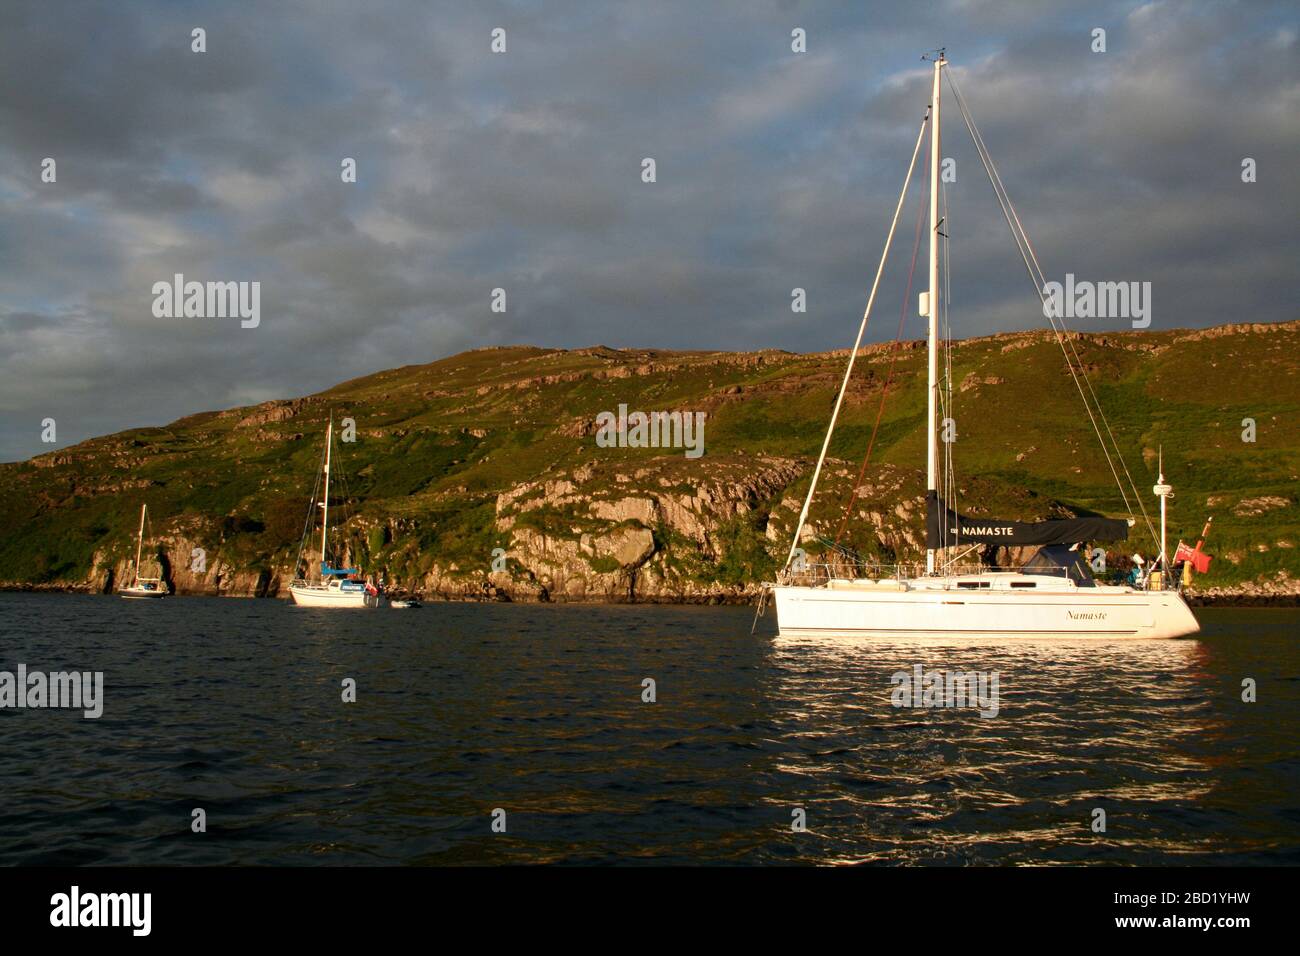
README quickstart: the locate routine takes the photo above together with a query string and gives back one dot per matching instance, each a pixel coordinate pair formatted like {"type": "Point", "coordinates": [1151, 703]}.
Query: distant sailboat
{"type": "Point", "coordinates": [143, 587]}
{"type": "Point", "coordinates": [1053, 595]}
{"type": "Point", "coordinates": [332, 587]}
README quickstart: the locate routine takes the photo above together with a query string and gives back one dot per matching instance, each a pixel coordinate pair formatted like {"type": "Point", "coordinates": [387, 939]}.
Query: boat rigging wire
{"type": "Point", "coordinates": [889, 378]}
{"type": "Point", "coordinates": [866, 315]}
{"type": "Point", "coordinates": [309, 522]}
{"type": "Point", "coordinates": [1038, 278]}
{"type": "Point", "coordinates": [947, 407]}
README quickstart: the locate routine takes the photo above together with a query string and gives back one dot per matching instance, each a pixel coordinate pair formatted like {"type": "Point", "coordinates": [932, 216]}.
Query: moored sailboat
{"type": "Point", "coordinates": [331, 586]}
{"type": "Point", "coordinates": [1053, 595]}
{"type": "Point", "coordinates": [143, 587]}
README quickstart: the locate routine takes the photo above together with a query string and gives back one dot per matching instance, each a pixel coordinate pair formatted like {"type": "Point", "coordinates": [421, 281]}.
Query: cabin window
{"type": "Point", "coordinates": [972, 584]}
{"type": "Point", "coordinates": [1024, 584]}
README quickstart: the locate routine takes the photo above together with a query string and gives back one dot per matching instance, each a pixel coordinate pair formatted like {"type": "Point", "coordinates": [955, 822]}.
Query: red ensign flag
{"type": "Point", "coordinates": [1200, 562]}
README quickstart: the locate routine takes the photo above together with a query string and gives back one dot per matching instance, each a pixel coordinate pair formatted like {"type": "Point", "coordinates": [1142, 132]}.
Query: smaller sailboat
{"type": "Point", "coordinates": [143, 587]}
{"type": "Point", "coordinates": [331, 587]}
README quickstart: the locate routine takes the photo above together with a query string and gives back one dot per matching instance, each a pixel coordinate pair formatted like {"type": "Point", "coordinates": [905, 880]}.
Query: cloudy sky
{"type": "Point", "coordinates": [522, 171]}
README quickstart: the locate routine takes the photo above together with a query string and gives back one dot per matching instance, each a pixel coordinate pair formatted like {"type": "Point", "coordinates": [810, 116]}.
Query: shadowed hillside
{"type": "Point", "coordinates": [497, 448]}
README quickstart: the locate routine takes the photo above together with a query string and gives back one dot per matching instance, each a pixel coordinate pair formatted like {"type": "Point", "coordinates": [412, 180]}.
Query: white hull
{"type": "Point", "coordinates": [313, 596]}
{"type": "Point", "coordinates": [140, 593]}
{"type": "Point", "coordinates": [1036, 606]}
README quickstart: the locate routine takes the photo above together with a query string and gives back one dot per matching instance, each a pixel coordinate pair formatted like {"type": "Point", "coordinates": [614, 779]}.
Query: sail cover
{"type": "Point", "coordinates": [1060, 561]}
{"type": "Point", "coordinates": [963, 530]}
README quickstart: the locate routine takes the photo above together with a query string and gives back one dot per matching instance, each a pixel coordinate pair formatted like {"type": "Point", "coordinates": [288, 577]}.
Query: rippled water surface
{"type": "Point", "coordinates": [234, 706]}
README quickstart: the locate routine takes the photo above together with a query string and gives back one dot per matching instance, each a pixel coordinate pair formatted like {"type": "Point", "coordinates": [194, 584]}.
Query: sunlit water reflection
{"type": "Point", "coordinates": [234, 706]}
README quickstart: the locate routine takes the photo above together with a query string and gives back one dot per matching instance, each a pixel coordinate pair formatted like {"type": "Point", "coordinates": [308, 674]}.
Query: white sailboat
{"type": "Point", "coordinates": [1054, 595]}
{"type": "Point", "coordinates": [332, 587]}
{"type": "Point", "coordinates": [143, 587]}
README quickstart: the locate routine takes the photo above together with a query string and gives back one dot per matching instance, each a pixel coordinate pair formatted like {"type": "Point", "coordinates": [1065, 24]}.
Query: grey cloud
{"type": "Point", "coordinates": [522, 171]}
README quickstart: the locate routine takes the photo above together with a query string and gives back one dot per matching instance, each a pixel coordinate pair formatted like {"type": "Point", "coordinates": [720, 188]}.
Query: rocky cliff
{"type": "Point", "coordinates": [493, 475]}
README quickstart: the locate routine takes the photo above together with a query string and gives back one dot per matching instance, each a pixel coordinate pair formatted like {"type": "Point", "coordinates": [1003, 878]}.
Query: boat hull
{"type": "Point", "coordinates": [890, 610]}
{"type": "Point", "coordinates": [141, 593]}
{"type": "Point", "coordinates": [332, 597]}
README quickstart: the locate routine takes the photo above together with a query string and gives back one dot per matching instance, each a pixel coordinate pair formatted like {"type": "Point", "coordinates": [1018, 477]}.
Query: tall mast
{"type": "Point", "coordinates": [139, 543]}
{"type": "Point", "coordinates": [932, 391]}
{"type": "Point", "coordinates": [325, 518]}
{"type": "Point", "coordinates": [1163, 491]}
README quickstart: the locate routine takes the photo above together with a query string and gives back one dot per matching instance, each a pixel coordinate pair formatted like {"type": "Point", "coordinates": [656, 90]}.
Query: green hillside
{"type": "Point", "coordinates": [437, 444]}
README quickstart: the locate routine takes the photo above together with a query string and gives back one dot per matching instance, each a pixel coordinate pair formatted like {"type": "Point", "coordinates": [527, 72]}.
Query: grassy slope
{"type": "Point", "coordinates": [437, 442]}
